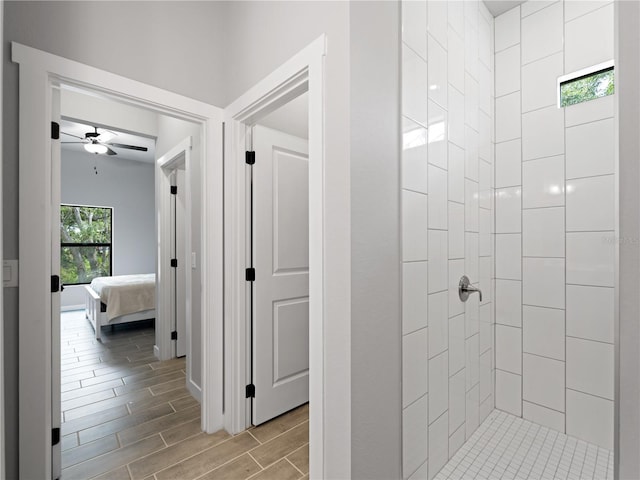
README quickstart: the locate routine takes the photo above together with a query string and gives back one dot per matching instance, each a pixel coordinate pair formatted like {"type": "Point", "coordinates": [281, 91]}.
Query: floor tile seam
{"type": "Point", "coordinates": [282, 433]}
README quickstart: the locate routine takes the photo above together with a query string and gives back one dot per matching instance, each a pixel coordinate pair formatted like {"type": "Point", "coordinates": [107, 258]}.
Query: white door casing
{"type": "Point", "coordinates": [39, 73]}
{"type": "Point", "coordinates": [280, 313]}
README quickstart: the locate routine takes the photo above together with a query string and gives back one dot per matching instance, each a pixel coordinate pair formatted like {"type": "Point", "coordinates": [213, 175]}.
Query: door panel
{"type": "Point", "coordinates": [281, 260]}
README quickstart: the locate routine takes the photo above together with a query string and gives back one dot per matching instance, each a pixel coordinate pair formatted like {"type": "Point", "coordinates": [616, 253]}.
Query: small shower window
{"type": "Point", "coordinates": [585, 85]}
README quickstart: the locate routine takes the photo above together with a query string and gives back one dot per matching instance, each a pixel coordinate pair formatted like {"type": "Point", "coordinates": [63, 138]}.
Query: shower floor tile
{"type": "Point", "coordinates": [509, 447]}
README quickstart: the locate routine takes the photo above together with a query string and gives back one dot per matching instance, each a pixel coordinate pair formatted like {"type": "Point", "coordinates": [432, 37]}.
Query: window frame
{"type": "Point", "coordinates": [579, 74]}
{"type": "Point", "coordinates": [89, 244]}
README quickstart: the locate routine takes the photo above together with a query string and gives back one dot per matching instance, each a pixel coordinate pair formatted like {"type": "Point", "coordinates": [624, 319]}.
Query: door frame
{"type": "Point", "coordinates": [39, 74]}
{"type": "Point", "coordinates": [178, 158]}
{"type": "Point", "coordinates": [304, 72]}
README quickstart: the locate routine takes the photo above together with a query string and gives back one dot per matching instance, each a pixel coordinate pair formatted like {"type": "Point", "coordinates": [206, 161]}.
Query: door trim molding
{"type": "Point", "coordinates": [303, 72]}
{"type": "Point", "coordinates": [39, 73]}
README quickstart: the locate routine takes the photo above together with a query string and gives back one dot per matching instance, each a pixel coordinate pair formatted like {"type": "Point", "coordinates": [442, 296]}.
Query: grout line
{"type": "Point", "coordinates": [292, 464]}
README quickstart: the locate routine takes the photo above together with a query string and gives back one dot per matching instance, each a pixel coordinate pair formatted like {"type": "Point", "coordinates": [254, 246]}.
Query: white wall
{"type": "Point", "coordinates": [447, 212]}
{"type": "Point", "coordinates": [555, 221]}
{"type": "Point", "coordinates": [128, 187]}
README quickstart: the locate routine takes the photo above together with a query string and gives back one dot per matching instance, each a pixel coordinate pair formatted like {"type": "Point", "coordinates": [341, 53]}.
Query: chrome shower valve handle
{"type": "Point", "coordinates": [465, 289]}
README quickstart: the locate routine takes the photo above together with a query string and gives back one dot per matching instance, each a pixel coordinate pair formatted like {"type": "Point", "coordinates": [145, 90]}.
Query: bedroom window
{"type": "Point", "coordinates": [85, 241]}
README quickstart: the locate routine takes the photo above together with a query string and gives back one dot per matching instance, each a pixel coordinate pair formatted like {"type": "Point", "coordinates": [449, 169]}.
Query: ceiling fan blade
{"type": "Point", "coordinates": [75, 142]}
{"type": "Point", "coordinates": [130, 147]}
{"type": "Point", "coordinates": [110, 152]}
{"type": "Point", "coordinates": [75, 136]}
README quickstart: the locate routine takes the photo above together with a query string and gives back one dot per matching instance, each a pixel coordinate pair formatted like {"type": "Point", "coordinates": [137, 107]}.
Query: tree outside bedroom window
{"type": "Point", "coordinates": [85, 238]}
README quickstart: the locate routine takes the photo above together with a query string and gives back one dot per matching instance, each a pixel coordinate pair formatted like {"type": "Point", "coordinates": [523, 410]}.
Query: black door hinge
{"type": "Point", "coordinates": [250, 158]}
{"type": "Point", "coordinates": [55, 283]}
{"type": "Point", "coordinates": [55, 436]}
{"type": "Point", "coordinates": [174, 189]}
{"type": "Point", "coordinates": [174, 262]}
{"type": "Point", "coordinates": [250, 391]}
{"type": "Point", "coordinates": [55, 131]}
{"type": "Point", "coordinates": [250, 274]}
{"type": "Point", "coordinates": [174, 335]}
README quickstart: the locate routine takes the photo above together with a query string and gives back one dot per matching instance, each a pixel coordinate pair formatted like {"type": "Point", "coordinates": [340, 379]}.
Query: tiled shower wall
{"type": "Point", "coordinates": [555, 188]}
{"type": "Point", "coordinates": [447, 218]}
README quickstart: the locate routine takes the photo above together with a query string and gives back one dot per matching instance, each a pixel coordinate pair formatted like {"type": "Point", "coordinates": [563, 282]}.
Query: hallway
{"type": "Point", "coordinates": [128, 416]}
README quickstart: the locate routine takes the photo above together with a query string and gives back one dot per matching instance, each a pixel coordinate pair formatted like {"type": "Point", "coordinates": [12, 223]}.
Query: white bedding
{"type": "Point", "coordinates": [126, 294]}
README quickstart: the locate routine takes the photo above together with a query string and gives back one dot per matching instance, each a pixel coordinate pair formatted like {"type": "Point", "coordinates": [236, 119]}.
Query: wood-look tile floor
{"type": "Point", "coordinates": [128, 416]}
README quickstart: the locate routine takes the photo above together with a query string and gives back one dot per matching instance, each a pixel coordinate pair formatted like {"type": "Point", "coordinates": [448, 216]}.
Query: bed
{"type": "Point", "coordinates": [120, 299]}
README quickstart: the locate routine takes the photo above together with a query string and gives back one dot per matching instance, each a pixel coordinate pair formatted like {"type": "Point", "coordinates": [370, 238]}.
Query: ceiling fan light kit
{"type": "Point", "coordinates": [95, 147]}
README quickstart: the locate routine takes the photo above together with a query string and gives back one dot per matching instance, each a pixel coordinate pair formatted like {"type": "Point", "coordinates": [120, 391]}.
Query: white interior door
{"type": "Point", "coordinates": [281, 261]}
{"type": "Point", "coordinates": [183, 267]}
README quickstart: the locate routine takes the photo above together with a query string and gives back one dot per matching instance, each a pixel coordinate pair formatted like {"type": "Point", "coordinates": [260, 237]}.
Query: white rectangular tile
{"type": "Point", "coordinates": [591, 149]}
{"type": "Point", "coordinates": [576, 8]}
{"type": "Point", "coordinates": [438, 323]}
{"type": "Point", "coordinates": [486, 408]}
{"type": "Point", "coordinates": [437, 20]}
{"type": "Point", "coordinates": [472, 362]}
{"type": "Point", "coordinates": [508, 117]}
{"type": "Point", "coordinates": [486, 279]}
{"type": "Point", "coordinates": [455, 49]}
{"type": "Point", "coordinates": [543, 232]}
{"type": "Point", "coordinates": [485, 40]}
{"type": "Point", "coordinates": [590, 418]}
{"type": "Point", "coordinates": [542, 33]}
{"type": "Point", "coordinates": [486, 329]}
{"type": "Point", "coordinates": [509, 392]}
{"type": "Point", "coordinates": [438, 210]}
{"type": "Point", "coordinates": [438, 445]}
{"type": "Point", "coordinates": [543, 381]}
{"type": "Point", "coordinates": [543, 282]}
{"type": "Point", "coordinates": [543, 332]}
{"type": "Point", "coordinates": [414, 436]}
{"type": "Point", "coordinates": [471, 49]}
{"type": "Point", "coordinates": [509, 163]}
{"type": "Point", "coordinates": [485, 89]}
{"type": "Point", "coordinates": [471, 205]}
{"type": "Point", "coordinates": [471, 265]}
{"type": "Point", "coordinates": [539, 82]}
{"type": "Point", "coordinates": [590, 313]}
{"type": "Point", "coordinates": [414, 79]}
{"type": "Point", "coordinates": [543, 133]}
{"type": "Point", "coordinates": [590, 367]}
{"type": "Point", "coordinates": [437, 261]}
{"type": "Point", "coordinates": [471, 14]}
{"type": "Point", "coordinates": [421, 472]}
{"type": "Point", "coordinates": [414, 26]}
{"type": "Point", "coordinates": [509, 349]}
{"type": "Point", "coordinates": [508, 210]}
{"type": "Point", "coordinates": [414, 366]}
{"type": "Point", "coordinates": [456, 344]}
{"type": "Point", "coordinates": [509, 302]}
{"type": "Point", "coordinates": [472, 419]}
{"type": "Point", "coordinates": [485, 232]}
{"type": "Point", "coordinates": [414, 156]}
{"type": "Point", "coordinates": [456, 173]}
{"type": "Point", "coordinates": [456, 117]}
{"type": "Point", "coordinates": [414, 296]}
{"type": "Point", "coordinates": [507, 75]}
{"type": "Point", "coordinates": [507, 29]}
{"type": "Point", "coordinates": [543, 416]}
{"type": "Point", "coordinates": [456, 17]}
{"type": "Point", "coordinates": [590, 111]}
{"type": "Point", "coordinates": [531, 7]}
{"type": "Point", "coordinates": [471, 154]}
{"type": "Point", "coordinates": [485, 191]}
{"type": "Point", "coordinates": [471, 102]}
{"type": "Point", "coordinates": [438, 386]}
{"type": "Point", "coordinates": [414, 226]}
{"type": "Point", "coordinates": [437, 72]}
{"type": "Point", "coordinates": [457, 394]}
{"type": "Point", "coordinates": [583, 48]}
{"type": "Point", "coordinates": [543, 183]}
{"type": "Point", "coordinates": [485, 137]}
{"type": "Point", "coordinates": [591, 204]}
{"type": "Point", "coordinates": [456, 271]}
{"type": "Point", "coordinates": [591, 259]}
{"type": "Point", "coordinates": [486, 375]}
{"type": "Point", "coordinates": [437, 136]}
{"type": "Point", "coordinates": [456, 230]}
{"type": "Point", "coordinates": [456, 440]}
{"type": "Point", "coordinates": [508, 256]}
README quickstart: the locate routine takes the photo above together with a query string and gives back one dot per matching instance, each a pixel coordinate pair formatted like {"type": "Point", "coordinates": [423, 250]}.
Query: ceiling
{"type": "Point", "coordinates": [498, 7]}
{"type": "Point", "coordinates": [111, 135]}
{"type": "Point", "coordinates": [291, 118]}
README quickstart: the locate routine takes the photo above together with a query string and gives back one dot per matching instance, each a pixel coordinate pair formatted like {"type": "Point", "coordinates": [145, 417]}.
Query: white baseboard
{"type": "Point", "coordinates": [69, 308]}
{"type": "Point", "coordinates": [195, 390]}
{"type": "Point", "coordinates": [156, 352]}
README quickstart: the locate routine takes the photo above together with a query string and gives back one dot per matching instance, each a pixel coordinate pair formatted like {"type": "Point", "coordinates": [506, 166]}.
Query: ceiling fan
{"type": "Point", "coordinates": [97, 142]}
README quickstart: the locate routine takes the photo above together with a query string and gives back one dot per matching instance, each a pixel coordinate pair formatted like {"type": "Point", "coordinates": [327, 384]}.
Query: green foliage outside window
{"type": "Point", "coordinates": [596, 85]}
{"type": "Point", "coordinates": [85, 239]}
